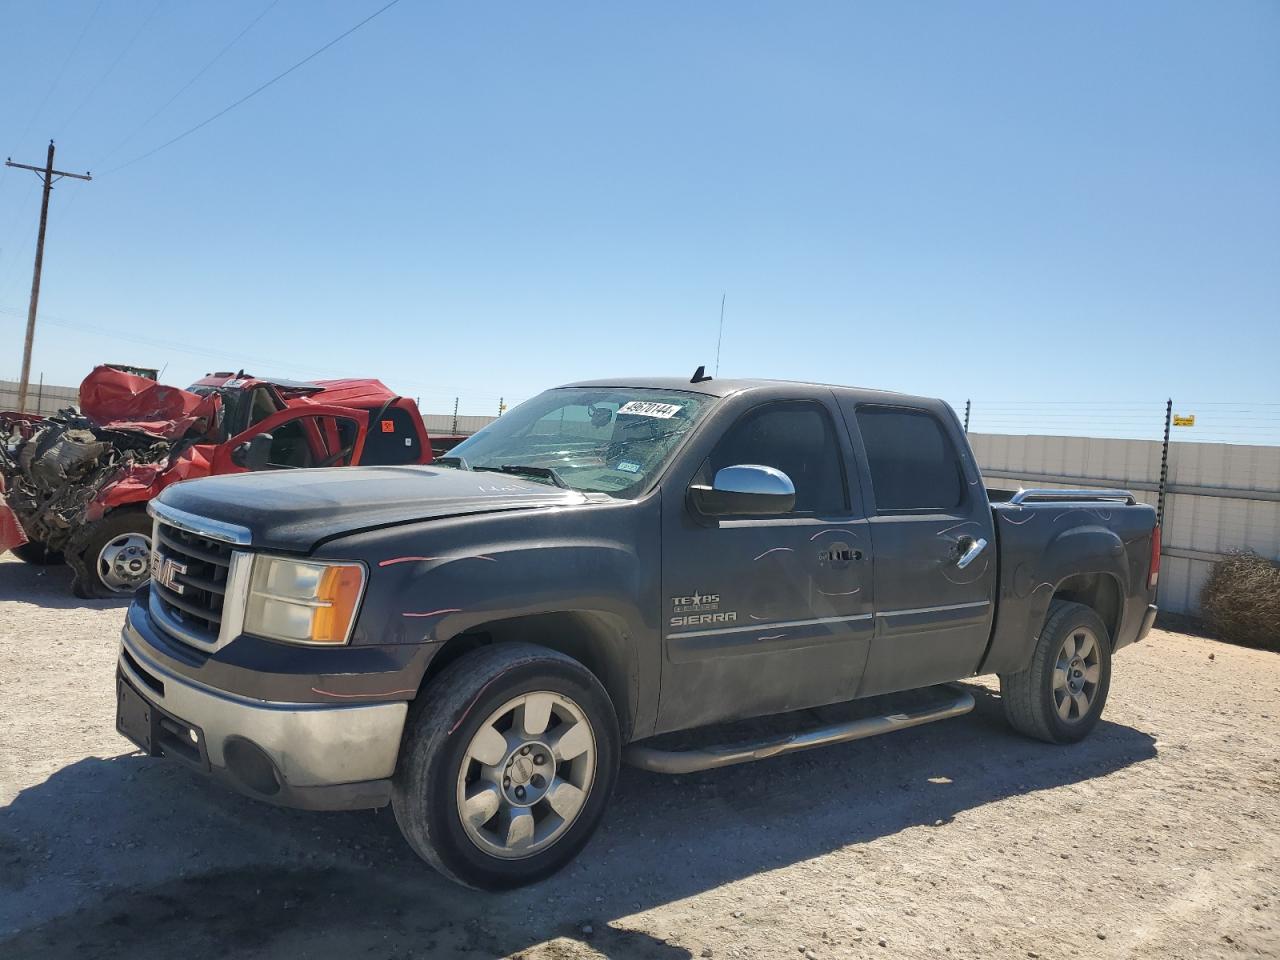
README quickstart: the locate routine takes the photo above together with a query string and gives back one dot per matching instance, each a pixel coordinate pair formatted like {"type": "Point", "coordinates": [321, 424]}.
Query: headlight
{"type": "Point", "coordinates": [303, 602]}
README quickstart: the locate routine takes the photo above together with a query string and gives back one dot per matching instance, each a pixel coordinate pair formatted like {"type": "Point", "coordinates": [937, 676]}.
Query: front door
{"type": "Point", "coordinates": [315, 436]}
{"type": "Point", "coordinates": [933, 604]}
{"type": "Point", "coordinates": [767, 614]}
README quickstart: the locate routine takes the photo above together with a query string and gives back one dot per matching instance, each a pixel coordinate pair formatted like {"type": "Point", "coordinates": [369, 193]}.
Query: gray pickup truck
{"type": "Point", "coordinates": [480, 642]}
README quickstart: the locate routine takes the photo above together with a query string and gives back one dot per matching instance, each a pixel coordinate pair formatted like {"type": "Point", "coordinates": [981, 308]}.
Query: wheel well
{"type": "Point", "coordinates": [1099, 591]}
{"type": "Point", "coordinates": [592, 639]}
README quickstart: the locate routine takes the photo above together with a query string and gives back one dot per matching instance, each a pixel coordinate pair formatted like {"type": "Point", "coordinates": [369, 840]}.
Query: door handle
{"type": "Point", "coordinates": [839, 554]}
{"type": "Point", "coordinates": [971, 552]}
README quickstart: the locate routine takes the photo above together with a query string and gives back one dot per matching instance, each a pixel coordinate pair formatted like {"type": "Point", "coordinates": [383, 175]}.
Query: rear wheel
{"type": "Point", "coordinates": [37, 554]}
{"type": "Point", "coordinates": [1059, 697]}
{"type": "Point", "coordinates": [507, 764]}
{"type": "Point", "coordinates": [115, 556]}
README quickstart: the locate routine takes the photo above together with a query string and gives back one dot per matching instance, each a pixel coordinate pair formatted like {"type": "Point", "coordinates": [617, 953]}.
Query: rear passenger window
{"type": "Point", "coordinates": [913, 463]}
{"type": "Point", "coordinates": [797, 438]}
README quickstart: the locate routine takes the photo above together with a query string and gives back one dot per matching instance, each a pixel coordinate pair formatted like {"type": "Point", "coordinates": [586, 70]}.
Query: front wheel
{"type": "Point", "coordinates": [37, 554]}
{"type": "Point", "coordinates": [507, 764]}
{"type": "Point", "coordinates": [113, 557]}
{"type": "Point", "coordinates": [1060, 695]}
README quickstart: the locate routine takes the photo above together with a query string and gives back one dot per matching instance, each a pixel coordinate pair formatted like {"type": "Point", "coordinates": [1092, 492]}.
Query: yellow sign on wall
{"type": "Point", "coordinates": [1181, 420]}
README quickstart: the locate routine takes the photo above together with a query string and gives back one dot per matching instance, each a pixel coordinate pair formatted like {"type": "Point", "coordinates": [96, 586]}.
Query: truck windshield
{"type": "Point", "coordinates": [599, 439]}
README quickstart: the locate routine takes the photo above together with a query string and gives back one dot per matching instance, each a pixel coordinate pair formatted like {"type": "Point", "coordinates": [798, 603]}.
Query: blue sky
{"type": "Point", "coordinates": [1022, 201]}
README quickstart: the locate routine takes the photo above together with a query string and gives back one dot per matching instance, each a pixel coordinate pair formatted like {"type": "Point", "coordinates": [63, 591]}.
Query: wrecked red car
{"type": "Point", "coordinates": [75, 486]}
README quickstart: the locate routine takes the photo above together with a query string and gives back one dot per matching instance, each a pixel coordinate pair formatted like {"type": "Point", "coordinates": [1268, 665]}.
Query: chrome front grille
{"type": "Point", "coordinates": [194, 567]}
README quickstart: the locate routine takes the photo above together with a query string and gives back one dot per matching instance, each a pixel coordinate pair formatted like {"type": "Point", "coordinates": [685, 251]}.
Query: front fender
{"type": "Point", "coordinates": [433, 597]}
{"type": "Point", "coordinates": [559, 567]}
{"type": "Point", "coordinates": [143, 482]}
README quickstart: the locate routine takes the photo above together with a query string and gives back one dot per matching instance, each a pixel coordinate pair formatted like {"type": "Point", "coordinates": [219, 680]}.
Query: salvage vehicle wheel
{"type": "Point", "coordinates": [115, 558]}
{"type": "Point", "coordinates": [37, 554]}
{"type": "Point", "coordinates": [1060, 696]}
{"type": "Point", "coordinates": [508, 760]}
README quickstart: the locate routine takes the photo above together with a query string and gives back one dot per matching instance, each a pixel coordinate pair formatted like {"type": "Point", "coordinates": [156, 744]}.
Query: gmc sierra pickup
{"type": "Point", "coordinates": [480, 642]}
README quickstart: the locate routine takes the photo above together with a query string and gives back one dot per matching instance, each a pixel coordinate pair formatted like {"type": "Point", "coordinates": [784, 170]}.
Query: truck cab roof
{"type": "Point", "coordinates": [728, 387]}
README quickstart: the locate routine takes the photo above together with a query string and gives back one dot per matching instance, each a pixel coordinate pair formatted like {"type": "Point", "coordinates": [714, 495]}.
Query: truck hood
{"type": "Point", "coordinates": [294, 510]}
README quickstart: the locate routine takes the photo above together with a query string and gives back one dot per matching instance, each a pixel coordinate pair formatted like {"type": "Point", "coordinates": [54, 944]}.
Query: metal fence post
{"type": "Point", "coordinates": [1164, 461]}
{"type": "Point", "coordinates": [966, 415]}
{"type": "Point", "coordinates": [455, 416]}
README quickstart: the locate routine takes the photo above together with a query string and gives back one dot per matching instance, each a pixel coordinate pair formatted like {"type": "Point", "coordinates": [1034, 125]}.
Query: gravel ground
{"type": "Point", "coordinates": [1158, 837]}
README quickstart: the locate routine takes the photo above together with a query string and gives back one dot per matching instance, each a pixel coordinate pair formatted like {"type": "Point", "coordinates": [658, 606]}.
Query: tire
{"type": "Point", "coordinates": [37, 554]}
{"type": "Point", "coordinates": [439, 771]}
{"type": "Point", "coordinates": [1060, 696]}
{"type": "Point", "coordinates": [96, 577]}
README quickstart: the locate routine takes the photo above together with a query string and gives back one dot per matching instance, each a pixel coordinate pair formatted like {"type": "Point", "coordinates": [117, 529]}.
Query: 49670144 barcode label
{"type": "Point", "coordinates": [648, 408]}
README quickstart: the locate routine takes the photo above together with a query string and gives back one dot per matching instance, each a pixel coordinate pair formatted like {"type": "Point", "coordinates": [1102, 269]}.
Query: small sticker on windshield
{"type": "Point", "coordinates": [627, 466]}
{"type": "Point", "coordinates": [648, 408]}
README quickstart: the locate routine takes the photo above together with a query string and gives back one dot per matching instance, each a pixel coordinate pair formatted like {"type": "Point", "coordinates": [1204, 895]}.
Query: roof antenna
{"type": "Point", "coordinates": [720, 335]}
{"type": "Point", "coordinates": [700, 375]}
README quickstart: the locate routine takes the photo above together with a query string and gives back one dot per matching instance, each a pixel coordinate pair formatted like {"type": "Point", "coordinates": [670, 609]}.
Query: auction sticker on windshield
{"type": "Point", "coordinates": [648, 408]}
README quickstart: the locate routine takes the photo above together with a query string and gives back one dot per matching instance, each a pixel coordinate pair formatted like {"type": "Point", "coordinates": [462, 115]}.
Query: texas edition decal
{"type": "Point", "coordinates": [699, 608]}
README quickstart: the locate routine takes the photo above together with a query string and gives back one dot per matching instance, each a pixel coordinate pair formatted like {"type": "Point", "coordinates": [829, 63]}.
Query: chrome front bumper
{"type": "Point", "coordinates": [320, 756]}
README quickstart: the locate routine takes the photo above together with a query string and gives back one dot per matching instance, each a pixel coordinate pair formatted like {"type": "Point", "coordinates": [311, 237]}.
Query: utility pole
{"type": "Point", "coordinates": [49, 176]}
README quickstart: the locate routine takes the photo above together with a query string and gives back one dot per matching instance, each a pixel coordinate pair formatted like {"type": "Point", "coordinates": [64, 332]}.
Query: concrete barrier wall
{"type": "Point", "coordinates": [443, 423]}
{"type": "Point", "coordinates": [50, 399]}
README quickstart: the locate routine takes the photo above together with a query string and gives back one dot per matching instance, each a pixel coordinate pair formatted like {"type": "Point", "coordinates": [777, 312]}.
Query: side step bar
{"type": "Point", "coordinates": [710, 758]}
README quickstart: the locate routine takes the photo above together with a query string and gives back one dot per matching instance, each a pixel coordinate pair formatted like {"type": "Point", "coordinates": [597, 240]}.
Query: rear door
{"type": "Point", "coordinates": [928, 508]}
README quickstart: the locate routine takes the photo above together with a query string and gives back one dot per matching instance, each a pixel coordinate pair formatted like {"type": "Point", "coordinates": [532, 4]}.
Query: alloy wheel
{"type": "Point", "coordinates": [1076, 674]}
{"type": "Point", "coordinates": [526, 775]}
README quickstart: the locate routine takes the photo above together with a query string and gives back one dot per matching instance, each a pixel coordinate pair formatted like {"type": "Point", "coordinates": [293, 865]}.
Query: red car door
{"type": "Point", "coordinates": [317, 435]}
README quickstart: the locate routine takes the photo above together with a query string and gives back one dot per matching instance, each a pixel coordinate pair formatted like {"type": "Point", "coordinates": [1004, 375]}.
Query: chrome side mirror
{"type": "Point", "coordinates": [745, 490]}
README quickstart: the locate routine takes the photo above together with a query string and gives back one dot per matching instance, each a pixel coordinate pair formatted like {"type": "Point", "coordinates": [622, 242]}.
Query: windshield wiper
{"type": "Point", "coordinates": [519, 469]}
{"type": "Point", "coordinates": [458, 463]}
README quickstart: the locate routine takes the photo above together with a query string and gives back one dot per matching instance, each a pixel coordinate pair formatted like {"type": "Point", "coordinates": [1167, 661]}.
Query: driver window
{"type": "Point", "coordinates": [289, 446]}
{"type": "Point", "coordinates": [797, 438]}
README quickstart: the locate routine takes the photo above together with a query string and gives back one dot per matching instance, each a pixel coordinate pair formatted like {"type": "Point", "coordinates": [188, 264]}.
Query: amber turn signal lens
{"type": "Point", "coordinates": [340, 587]}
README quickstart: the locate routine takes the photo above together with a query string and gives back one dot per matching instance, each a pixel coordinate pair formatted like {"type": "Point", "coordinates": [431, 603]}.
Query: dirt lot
{"type": "Point", "coordinates": [1158, 837]}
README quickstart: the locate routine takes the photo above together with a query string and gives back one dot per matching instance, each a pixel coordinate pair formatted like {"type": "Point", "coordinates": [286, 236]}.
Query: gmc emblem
{"type": "Point", "coordinates": [165, 573]}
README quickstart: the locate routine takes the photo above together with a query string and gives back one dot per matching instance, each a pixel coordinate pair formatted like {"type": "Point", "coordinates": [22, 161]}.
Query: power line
{"type": "Point", "coordinates": [56, 80]}
{"type": "Point", "coordinates": [234, 358]}
{"type": "Point", "coordinates": [191, 82]}
{"type": "Point", "coordinates": [253, 93]}
{"type": "Point", "coordinates": [111, 69]}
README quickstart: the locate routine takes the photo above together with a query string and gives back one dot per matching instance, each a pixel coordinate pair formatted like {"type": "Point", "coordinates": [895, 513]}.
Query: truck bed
{"type": "Point", "coordinates": [1044, 537]}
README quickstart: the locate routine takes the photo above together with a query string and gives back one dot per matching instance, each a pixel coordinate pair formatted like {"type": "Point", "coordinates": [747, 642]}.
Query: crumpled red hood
{"type": "Point", "coordinates": [120, 401]}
